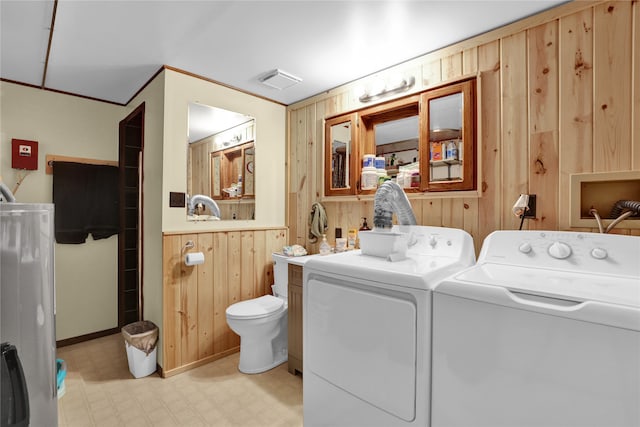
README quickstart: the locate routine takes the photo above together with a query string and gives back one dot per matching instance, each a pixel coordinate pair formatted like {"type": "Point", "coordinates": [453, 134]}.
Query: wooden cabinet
{"type": "Point", "coordinates": [295, 318]}
{"type": "Point", "coordinates": [340, 151]}
{"type": "Point", "coordinates": [428, 141]}
{"type": "Point", "coordinates": [447, 149]}
{"type": "Point", "coordinates": [232, 172]}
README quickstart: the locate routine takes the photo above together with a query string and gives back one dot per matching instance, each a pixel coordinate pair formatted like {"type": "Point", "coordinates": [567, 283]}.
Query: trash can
{"type": "Point", "coordinates": [141, 339]}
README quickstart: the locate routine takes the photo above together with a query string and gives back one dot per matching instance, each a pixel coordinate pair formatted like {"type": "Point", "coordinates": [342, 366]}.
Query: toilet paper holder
{"type": "Point", "coordinates": [194, 258]}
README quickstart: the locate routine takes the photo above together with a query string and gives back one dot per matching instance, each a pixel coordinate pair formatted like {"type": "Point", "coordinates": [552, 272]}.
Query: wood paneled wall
{"type": "Point", "coordinates": [559, 93]}
{"type": "Point", "coordinates": [237, 267]}
{"type": "Point", "coordinates": [198, 167]}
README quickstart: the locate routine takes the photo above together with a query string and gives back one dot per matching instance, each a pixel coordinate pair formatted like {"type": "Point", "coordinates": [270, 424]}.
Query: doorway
{"type": "Point", "coordinates": [131, 147]}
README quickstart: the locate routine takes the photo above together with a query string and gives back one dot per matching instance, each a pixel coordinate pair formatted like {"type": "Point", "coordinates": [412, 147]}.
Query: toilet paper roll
{"type": "Point", "coordinates": [194, 258]}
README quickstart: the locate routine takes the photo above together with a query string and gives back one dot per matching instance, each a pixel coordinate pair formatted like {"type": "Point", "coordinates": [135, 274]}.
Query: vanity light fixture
{"type": "Point", "coordinates": [401, 86]}
{"type": "Point", "coordinates": [279, 79]}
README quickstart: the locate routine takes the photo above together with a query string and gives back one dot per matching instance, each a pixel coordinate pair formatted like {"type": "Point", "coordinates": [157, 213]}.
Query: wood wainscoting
{"type": "Point", "coordinates": [237, 266]}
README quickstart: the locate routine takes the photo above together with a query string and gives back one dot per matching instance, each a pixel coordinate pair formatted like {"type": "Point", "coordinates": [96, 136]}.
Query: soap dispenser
{"type": "Point", "coordinates": [325, 249]}
{"type": "Point", "coordinates": [364, 227]}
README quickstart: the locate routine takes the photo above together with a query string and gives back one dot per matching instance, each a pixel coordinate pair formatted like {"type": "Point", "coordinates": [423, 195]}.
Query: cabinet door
{"type": "Point", "coordinates": [340, 153]}
{"type": "Point", "coordinates": [448, 138]}
{"type": "Point", "coordinates": [216, 175]}
{"type": "Point", "coordinates": [295, 328]}
{"type": "Point", "coordinates": [294, 313]}
{"type": "Point", "coordinates": [248, 183]}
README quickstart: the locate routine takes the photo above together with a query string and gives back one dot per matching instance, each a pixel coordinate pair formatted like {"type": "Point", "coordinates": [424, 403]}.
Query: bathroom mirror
{"type": "Point", "coordinates": [392, 130]}
{"type": "Point", "coordinates": [340, 154]}
{"type": "Point", "coordinates": [221, 160]}
{"type": "Point", "coordinates": [445, 132]}
{"type": "Point", "coordinates": [397, 141]}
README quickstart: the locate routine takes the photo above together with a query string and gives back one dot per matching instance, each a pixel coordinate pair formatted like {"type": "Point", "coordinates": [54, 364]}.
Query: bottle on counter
{"type": "Point", "coordinates": [352, 238]}
{"type": "Point", "coordinates": [325, 249]}
{"type": "Point", "coordinates": [365, 226]}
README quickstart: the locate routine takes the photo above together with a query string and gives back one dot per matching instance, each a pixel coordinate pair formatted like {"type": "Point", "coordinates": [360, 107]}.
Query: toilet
{"type": "Point", "coordinates": [262, 324]}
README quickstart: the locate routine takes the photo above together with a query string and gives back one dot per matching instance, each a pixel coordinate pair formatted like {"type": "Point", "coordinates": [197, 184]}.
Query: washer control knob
{"type": "Point", "coordinates": [559, 250]}
{"type": "Point", "coordinates": [599, 253]}
{"type": "Point", "coordinates": [525, 247]}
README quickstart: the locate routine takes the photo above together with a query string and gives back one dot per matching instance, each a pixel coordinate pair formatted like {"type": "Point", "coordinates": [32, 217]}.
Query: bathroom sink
{"type": "Point", "coordinates": [202, 218]}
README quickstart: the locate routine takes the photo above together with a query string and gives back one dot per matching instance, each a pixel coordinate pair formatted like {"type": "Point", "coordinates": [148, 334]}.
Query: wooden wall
{"type": "Point", "coordinates": [198, 167]}
{"type": "Point", "coordinates": [559, 93]}
{"type": "Point", "coordinates": [237, 267]}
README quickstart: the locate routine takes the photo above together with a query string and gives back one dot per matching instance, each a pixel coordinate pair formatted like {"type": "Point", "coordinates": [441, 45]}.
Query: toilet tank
{"type": "Point", "coordinates": [280, 275]}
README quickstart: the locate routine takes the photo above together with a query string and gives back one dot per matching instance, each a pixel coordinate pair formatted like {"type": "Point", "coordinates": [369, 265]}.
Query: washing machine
{"type": "Point", "coordinates": [367, 327]}
{"type": "Point", "coordinates": [543, 331]}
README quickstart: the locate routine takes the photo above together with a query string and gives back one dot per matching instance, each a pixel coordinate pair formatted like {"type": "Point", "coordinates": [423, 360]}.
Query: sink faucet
{"type": "Point", "coordinates": [205, 200]}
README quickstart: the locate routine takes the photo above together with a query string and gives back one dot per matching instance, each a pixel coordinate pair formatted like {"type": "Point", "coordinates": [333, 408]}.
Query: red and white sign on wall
{"type": "Point", "coordinates": [24, 154]}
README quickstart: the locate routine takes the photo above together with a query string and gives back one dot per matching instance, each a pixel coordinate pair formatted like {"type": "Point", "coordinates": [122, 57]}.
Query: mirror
{"type": "Point", "coordinates": [340, 149]}
{"type": "Point", "coordinates": [398, 142]}
{"type": "Point", "coordinates": [339, 155]}
{"type": "Point", "coordinates": [392, 133]}
{"type": "Point", "coordinates": [445, 133]}
{"type": "Point", "coordinates": [221, 161]}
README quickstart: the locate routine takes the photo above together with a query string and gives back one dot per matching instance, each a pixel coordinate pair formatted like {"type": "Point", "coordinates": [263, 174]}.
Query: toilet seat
{"type": "Point", "coordinates": [256, 308]}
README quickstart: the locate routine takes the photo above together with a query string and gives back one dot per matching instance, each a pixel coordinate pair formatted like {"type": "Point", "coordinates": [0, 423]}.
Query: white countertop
{"type": "Point", "coordinates": [300, 260]}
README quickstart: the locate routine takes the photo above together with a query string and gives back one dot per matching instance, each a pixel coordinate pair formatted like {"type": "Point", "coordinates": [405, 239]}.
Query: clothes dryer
{"type": "Point", "coordinates": [366, 331]}
{"type": "Point", "coordinates": [543, 331]}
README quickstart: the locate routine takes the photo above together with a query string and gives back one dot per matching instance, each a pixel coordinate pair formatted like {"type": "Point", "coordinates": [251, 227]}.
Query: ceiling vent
{"type": "Point", "coordinates": [279, 79]}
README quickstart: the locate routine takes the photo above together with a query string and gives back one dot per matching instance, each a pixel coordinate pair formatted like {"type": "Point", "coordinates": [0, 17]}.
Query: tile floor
{"type": "Point", "coordinates": [100, 391]}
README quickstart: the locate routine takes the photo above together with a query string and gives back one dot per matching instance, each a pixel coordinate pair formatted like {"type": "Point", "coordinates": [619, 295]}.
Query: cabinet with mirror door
{"type": "Point", "coordinates": [448, 138]}
{"type": "Point", "coordinates": [232, 172]}
{"type": "Point", "coordinates": [391, 131]}
{"type": "Point", "coordinates": [340, 154]}
{"type": "Point", "coordinates": [427, 140]}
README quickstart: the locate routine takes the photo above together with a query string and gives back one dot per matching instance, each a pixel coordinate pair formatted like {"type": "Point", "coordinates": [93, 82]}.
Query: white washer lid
{"type": "Point", "coordinates": [255, 308]}
{"type": "Point", "coordinates": [557, 283]}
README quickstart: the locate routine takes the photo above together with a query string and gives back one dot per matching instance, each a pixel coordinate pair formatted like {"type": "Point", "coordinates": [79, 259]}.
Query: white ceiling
{"type": "Point", "coordinates": [109, 49]}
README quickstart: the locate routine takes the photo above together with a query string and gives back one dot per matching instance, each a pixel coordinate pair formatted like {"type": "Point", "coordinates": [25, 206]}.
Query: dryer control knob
{"type": "Point", "coordinates": [559, 250]}
{"type": "Point", "coordinates": [599, 253]}
{"type": "Point", "coordinates": [525, 247]}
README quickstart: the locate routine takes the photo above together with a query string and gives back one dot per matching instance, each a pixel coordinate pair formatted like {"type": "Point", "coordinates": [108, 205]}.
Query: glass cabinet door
{"type": "Point", "coordinates": [340, 154]}
{"type": "Point", "coordinates": [248, 182]}
{"type": "Point", "coordinates": [216, 175]}
{"type": "Point", "coordinates": [447, 155]}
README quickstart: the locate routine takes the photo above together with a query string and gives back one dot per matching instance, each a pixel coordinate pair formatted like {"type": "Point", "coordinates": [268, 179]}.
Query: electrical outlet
{"type": "Point", "coordinates": [531, 212]}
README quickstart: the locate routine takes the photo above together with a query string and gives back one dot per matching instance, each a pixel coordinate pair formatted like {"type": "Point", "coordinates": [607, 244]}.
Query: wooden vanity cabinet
{"type": "Point", "coordinates": [295, 318]}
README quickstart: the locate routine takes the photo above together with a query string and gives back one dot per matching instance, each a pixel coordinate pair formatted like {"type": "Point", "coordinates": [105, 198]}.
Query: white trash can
{"type": "Point", "coordinates": [141, 342]}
